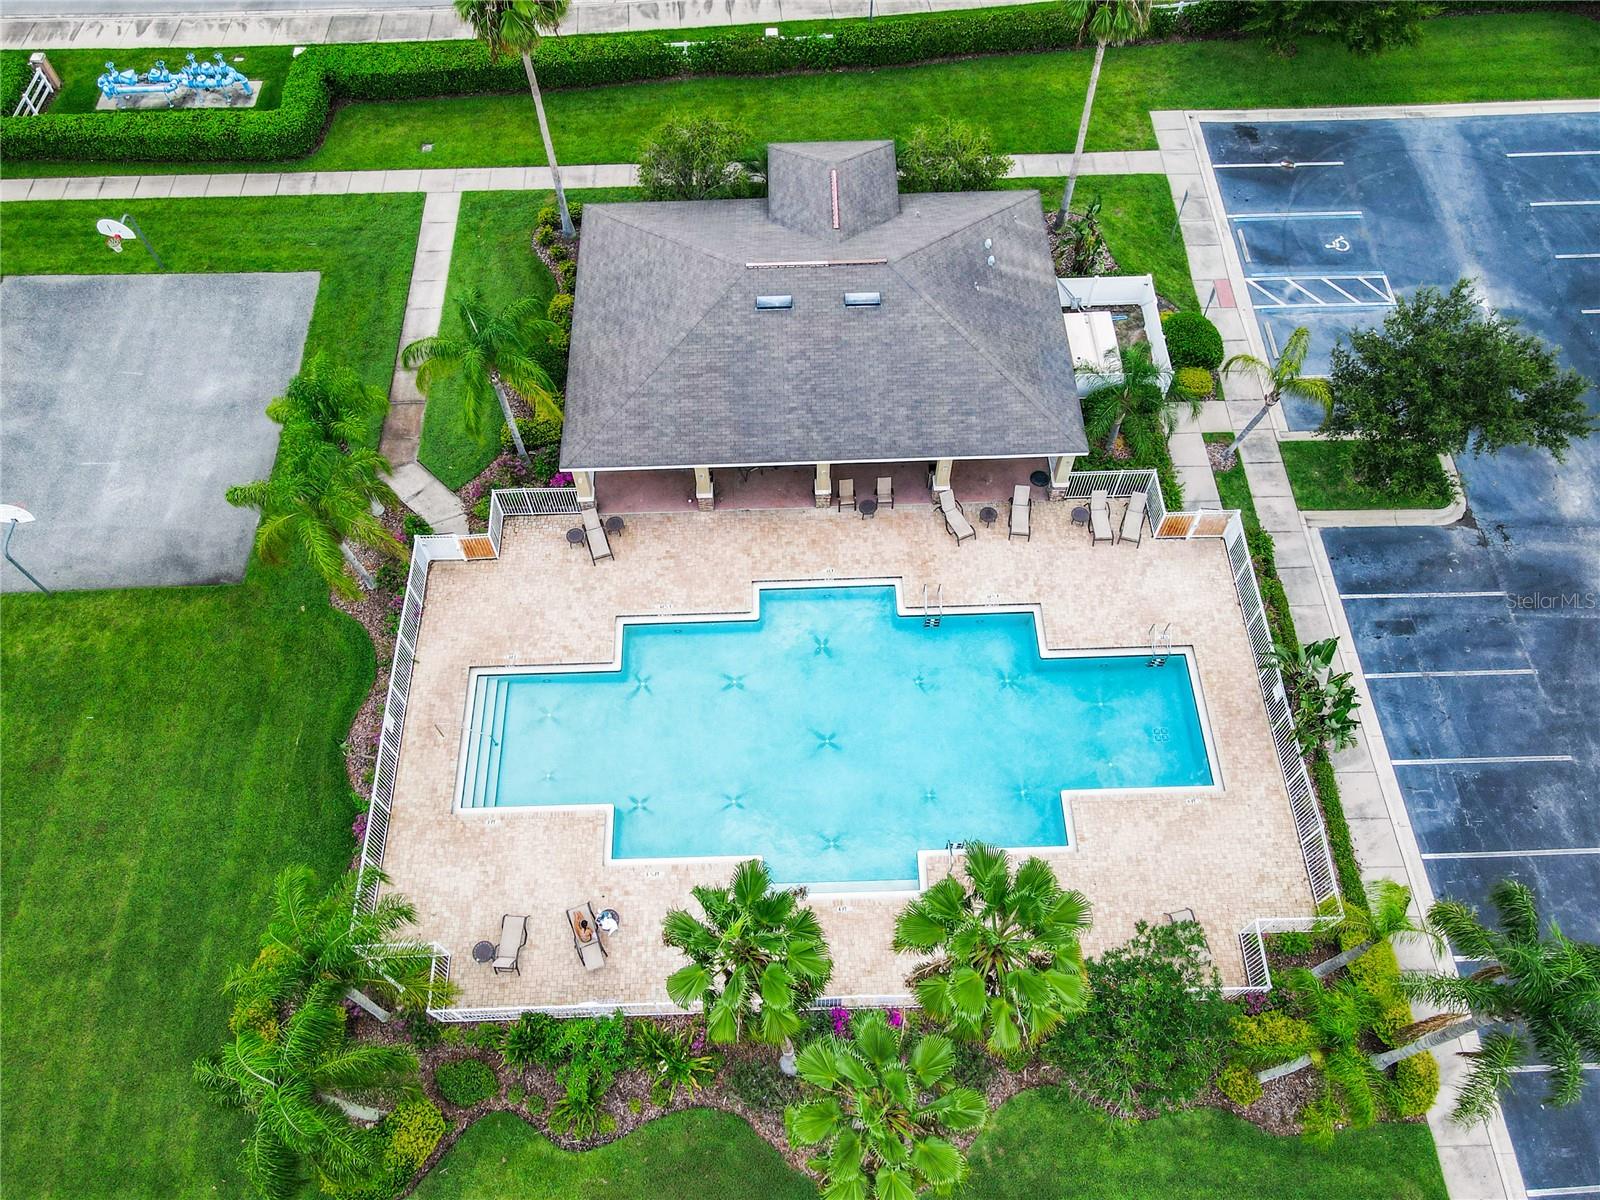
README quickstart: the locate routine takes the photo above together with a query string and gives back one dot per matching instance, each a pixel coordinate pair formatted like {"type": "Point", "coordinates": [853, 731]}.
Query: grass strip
{"type": "Point", "coordinates": [1322, 477]}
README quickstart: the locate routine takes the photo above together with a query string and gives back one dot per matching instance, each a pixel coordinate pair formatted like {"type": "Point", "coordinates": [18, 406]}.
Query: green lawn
{"type": "Point", "coordinates": [1041, 1146]}
{"type": "Point", "coordinates": [167, 751]}
{"type": "Point", "coordinates": [1029, 102]}
{"type": "Point", "coordinates": [1322, 477]}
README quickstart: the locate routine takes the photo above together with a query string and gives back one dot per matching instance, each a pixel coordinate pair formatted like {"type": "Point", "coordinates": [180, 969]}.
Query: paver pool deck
{"type": "Point", "coordinates": [1231, 855]}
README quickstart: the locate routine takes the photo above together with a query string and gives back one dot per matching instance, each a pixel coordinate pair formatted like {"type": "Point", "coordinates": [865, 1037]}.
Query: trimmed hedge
{"type": "Point", "coordinates": [1192, 341]}
{"type": "Point", "coordinates": [324, 75]}
{"type": "Point", "coordinates": [1416, 1085]}
{"type": "Point", "coordinates": [466, 1081]}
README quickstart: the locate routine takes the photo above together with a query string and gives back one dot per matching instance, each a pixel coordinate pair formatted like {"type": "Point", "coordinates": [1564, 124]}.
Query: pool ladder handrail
{"type": "Point", "coordinates": [933, 614]}
{"type": "Point", "coordinates": [1160, 639]}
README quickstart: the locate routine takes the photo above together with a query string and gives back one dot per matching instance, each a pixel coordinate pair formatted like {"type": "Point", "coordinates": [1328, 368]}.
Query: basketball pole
{"type": "Point", "coordinates": [127, 219]}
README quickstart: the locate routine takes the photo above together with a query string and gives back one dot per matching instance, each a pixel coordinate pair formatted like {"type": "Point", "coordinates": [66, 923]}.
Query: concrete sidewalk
{"type": "Point", "coordinates": [305, 25]}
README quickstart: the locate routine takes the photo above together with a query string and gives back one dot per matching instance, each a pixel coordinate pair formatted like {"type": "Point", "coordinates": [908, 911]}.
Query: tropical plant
{"type": "Point", "coordinates": [885, 1111]}
{"type": "Point", "coordinates": [293, 1087]}
{"type": "Point", "coordinates": [515, 27]}
{"type": "Point", "coordinates": [1152, 1033]}
{"type": "Point", "coordinates": [758, 956]}
{"type": "Point", "coordinates": [1366, 28]}
{"type": "Point", "coordinates": [1109, 23]}
{"type": "Point", "coordinates": [697, 158]}
{"type": "Point", "coordinates": [1324, 700]}
{"type": "Point", "coordinates": [331, 399]}
{"type": "Point", "coordinates": [328, 941]}
{"type": "Point", "coordinates": [1353, 1089]}
{"type": "Point", "coordinates": [492, 351]}
{"type": "Point", "coordinates": [1444, 374]}
{"type": "Point", "coordinates": [319, 498]}
{"type": "Point", "coordinates": [1387, 918]}
{"type": "Point", "coordinates": [1008, 967]}
{"type": "Point", "coordinates": [1135, 403]}
{"type": "Point", "coordinates": [466, 1081]}
{"type": "Point", "coordinates": [1536, 985]}
{"type": "Point", "coordinates": [1077, 252]}
{"type": "Point", "coordinates": [672, 1059]}
{"type": "Point", "coordinates": [950, 156]}
{"type": "Point", "coordinates": [1280, 379]}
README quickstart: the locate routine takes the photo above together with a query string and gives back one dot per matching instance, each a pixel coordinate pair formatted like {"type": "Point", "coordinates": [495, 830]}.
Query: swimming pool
{"type": "Point", "coordinates": [832, 735]}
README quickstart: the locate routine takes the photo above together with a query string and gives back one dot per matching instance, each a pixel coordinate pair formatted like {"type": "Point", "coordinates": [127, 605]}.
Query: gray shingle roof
{"type": "Point", "coordinates": [672, 365]}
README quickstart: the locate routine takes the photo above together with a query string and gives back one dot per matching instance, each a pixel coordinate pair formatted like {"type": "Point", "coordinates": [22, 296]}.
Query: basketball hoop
{"type": "Point", "coordinates": [115, 243]}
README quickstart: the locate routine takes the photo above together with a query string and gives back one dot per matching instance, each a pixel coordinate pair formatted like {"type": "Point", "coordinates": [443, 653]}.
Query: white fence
{"type": "Point", "coordinates": [1253, 946]}
{"type": "Point", "coordinates": [37, 95]}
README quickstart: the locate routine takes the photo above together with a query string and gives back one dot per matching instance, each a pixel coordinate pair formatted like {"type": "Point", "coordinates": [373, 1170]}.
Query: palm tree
{"type": "Point", "coordinates": [332, 399]}
{"type": "Point", "coordinates": [515, 27]}
{"type": "Point", "coordinates": [329, 941]}
{"type": "Point", "coordinates": [758, 955]}
{"type": "Point", "coordinates": [884, 1114]}
{"type": "Point", "coordinates": [1387, 919]}
{"type": "Point", "coordinates": [1142, 392]}
{"type": "Point", "coordinates": [1541, 984]}
{"type": "Point", "coordinates": [298, 1087]}
{"type": "Point", "coordinates": [320, 498]}
{"type": "Point", "coordinates": [1109, 23]}
{"type": "Point", "coordinates": [1281, 379]}
{"type": "Point", "coordinates": [492, 352]}
{"type": "Point", "coordinates": [1008, 965]}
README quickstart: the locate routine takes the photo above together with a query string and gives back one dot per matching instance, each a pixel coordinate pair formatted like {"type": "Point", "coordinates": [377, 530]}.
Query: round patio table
{"type": "Point", "coordinates": [1080, 515]}
{"type": "Point", "coordinates": [988, 516]}
{"type": "Point", "coordinates": [609, 920]}
{"type": "Point", "coordinates": [867, 507]}
{"type": "Point", "coordinates": [1040, 479]}
{"type": "Point", "coordinates": [483, 952]}
{"type": "Point", "coordinates": [575, 536]}
{"type": "Point", "coordinates": [614, 526]}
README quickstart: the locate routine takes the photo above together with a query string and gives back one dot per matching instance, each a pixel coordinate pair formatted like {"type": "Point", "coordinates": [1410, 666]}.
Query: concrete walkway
{"type": "Point", "coordinates": [455, 179]}
{"type": "Point", "coordinates": [1478, 1163]}
{"type": "Point", "coordinates": [35, 25]}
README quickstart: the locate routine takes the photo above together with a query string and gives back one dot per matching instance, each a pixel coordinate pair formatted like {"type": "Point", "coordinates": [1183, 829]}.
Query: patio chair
{"type": "Point", "coordinates": [847, 494]}
{"type": "Point", "coordinates": [1100, 517]}
{"type": "Point", "coordinates": [513, 937]}
{"type": "Point", "coordinates": [595, 532]}
{"type": "Point", "coordinates": [1021, 506]}
{"type": "Point", "coordinates": [885, 491]}
{"type": "Point", "coordinates": [586, 936]}
{"type": "Point", "coordinates": [955, 517]}
{"type": "Point", "coordinates": [1133, 519]}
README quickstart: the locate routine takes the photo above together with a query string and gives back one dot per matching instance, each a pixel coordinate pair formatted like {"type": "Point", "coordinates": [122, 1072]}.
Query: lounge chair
{"type": "Point", "coordinates": [586, 937]}
{"type": "Point", "coordinates": [1133, 519]}
{"type": "Point", "coordinates": [847, 494]}
{"type": "Point", "coordinates": [599, 544]}
{"type": "Point", "coordinates": [885, 491]}
{"type": "Point", "coordinates": [1021, 503]}
{"type": "Point", "coordinates": [513, 937]}
{"type": "Point", "coordinates": [1100, 517]}
{"type": "Point", "coordinates": [955, 517]}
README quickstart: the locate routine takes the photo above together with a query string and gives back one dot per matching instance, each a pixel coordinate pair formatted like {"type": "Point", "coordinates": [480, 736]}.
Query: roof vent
{"type": "Point", "coordinates": [863, 299]}
{"type": "Point", "coordinates": [774, 301]}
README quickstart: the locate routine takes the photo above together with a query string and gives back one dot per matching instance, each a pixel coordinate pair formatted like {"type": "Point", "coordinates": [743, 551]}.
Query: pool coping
{"type": "Point", "coordinates": [840, 889]}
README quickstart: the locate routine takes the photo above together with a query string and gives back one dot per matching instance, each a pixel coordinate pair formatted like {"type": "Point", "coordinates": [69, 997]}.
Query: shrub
{"type": "Point", "coordinates": [487, 1036]}
{"type": "Point", "coordinates": [410, 1134]}
{"type": "Point", "coordinates": [1153, 1030]}
{"type": "Point", "coordinates": [414, 526]}
{"type": "Point", "coordinates": [1192, 340]}
{"type": "Point", "coordinates": [694, 158]}
{"type": "Point", "coordinates": [1195, 381]}
{"type": "Point", "coordinates": [674, 1061]}
{"type": "Point", "coordinates": [567, 275]}
{"type": "Point", "coordinates": [1239, 1084]}
{"type": "Point", "coordinates": [589, 1053]}
{"type": "Point", "coordinates": [536, 434]}
{"type": "Point", "coordinates": [466, 1081]}
{"type": "Point", "coordinates": [559, 310]}
{"type": "Point", "coordinates": [950, 156]}
{"type": "Point", "coordinates": [531, 1041]}
{"type": "Point", "coordinates": [1292, 944]}
{"type": "Point", "coordinates": [578, 1114]}
{"type": "Point", "coordinates": [759, 1083]}
{"type": "Point", "coordinates": [424, 1033]}
{"type": "Point", "coordinates": [1270, 1039]}
{"type": "Point", "coordinates": [559, 252]}
{"type": "Point", "coordinates": [1416, 1085]}
{"type": "Point", "coordinates": [975, 1066]}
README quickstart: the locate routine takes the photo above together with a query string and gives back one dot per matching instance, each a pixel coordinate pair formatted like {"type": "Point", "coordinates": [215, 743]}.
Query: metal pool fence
{"type": "Point", "coordinates": [1167, 524]}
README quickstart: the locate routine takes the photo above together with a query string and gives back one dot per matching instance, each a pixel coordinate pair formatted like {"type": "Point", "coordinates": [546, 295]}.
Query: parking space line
{"type": "Point", "coordinates": [1590, 312]}
{"type": "Point", "coordinates": [1451, 674]}
{"type": "Point", "coordinates": [1556, 853]}
{"type": "Point", "coordinates": [1487, 759]}
{"type": "Point", "coordinates": [1285, 165]}
{"type": "Point", "coordinates": [1592, 1189]}
{"type": "Point", "coordinates": [1353, 214]}
{"type": "Point", "coordinates": [1562, 203]}
{"type": "Point", "coordinates": [1550, 153]}
{"type": "Point", "coordinates": [1243, 246]}
{"type": "Point", "coordinates": [1417, 595]}
{"type": "Point", "coordinates": [1587, 254]}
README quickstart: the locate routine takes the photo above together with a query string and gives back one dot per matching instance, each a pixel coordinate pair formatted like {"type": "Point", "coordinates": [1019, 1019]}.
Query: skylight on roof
{"type": "Point", "coordinates": [863, 299]}
{"type": "Point", "coordinates": [774, 301]}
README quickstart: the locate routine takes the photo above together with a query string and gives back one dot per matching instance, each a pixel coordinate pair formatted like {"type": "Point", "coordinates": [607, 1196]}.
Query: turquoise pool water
{"type": "Point", "coordinates": [832, 736]}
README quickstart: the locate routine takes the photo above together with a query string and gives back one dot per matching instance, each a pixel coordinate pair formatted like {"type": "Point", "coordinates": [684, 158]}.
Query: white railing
{"type": "Point", "coordinates": [528, 502]}
{"type": "Point", "coordinates": [36, 96]}
{"type": "Point", "coordinates": [1253, 946]}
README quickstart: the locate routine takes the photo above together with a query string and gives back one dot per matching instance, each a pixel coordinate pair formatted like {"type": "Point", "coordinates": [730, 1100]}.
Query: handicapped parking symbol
{"type": "Point", "coordinates": [1340, 243]}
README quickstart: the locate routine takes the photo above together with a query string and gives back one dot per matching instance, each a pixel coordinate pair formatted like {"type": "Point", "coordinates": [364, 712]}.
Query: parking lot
{"type": "Point", "coordinates": [130, 403]}
{"type": "Point", "coordinates": [1480, 640]}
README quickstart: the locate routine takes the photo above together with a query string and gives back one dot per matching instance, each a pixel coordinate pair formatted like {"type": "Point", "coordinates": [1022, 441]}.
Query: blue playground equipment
{"type": "Point", "coordinates": [197, 77]}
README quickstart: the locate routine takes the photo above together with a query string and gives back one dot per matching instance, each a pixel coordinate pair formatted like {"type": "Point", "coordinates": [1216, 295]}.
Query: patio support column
{"type": "Point", "coordinates": [583, 483]}
{"type": "Point", "coordinates": [941, 474]}
{"type": "Point", "coordinates": [704, 493]}
{"type": "Point", "coordinates": [1060, 472]}
{"type": "Point", "coordinates": [822, 490]}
